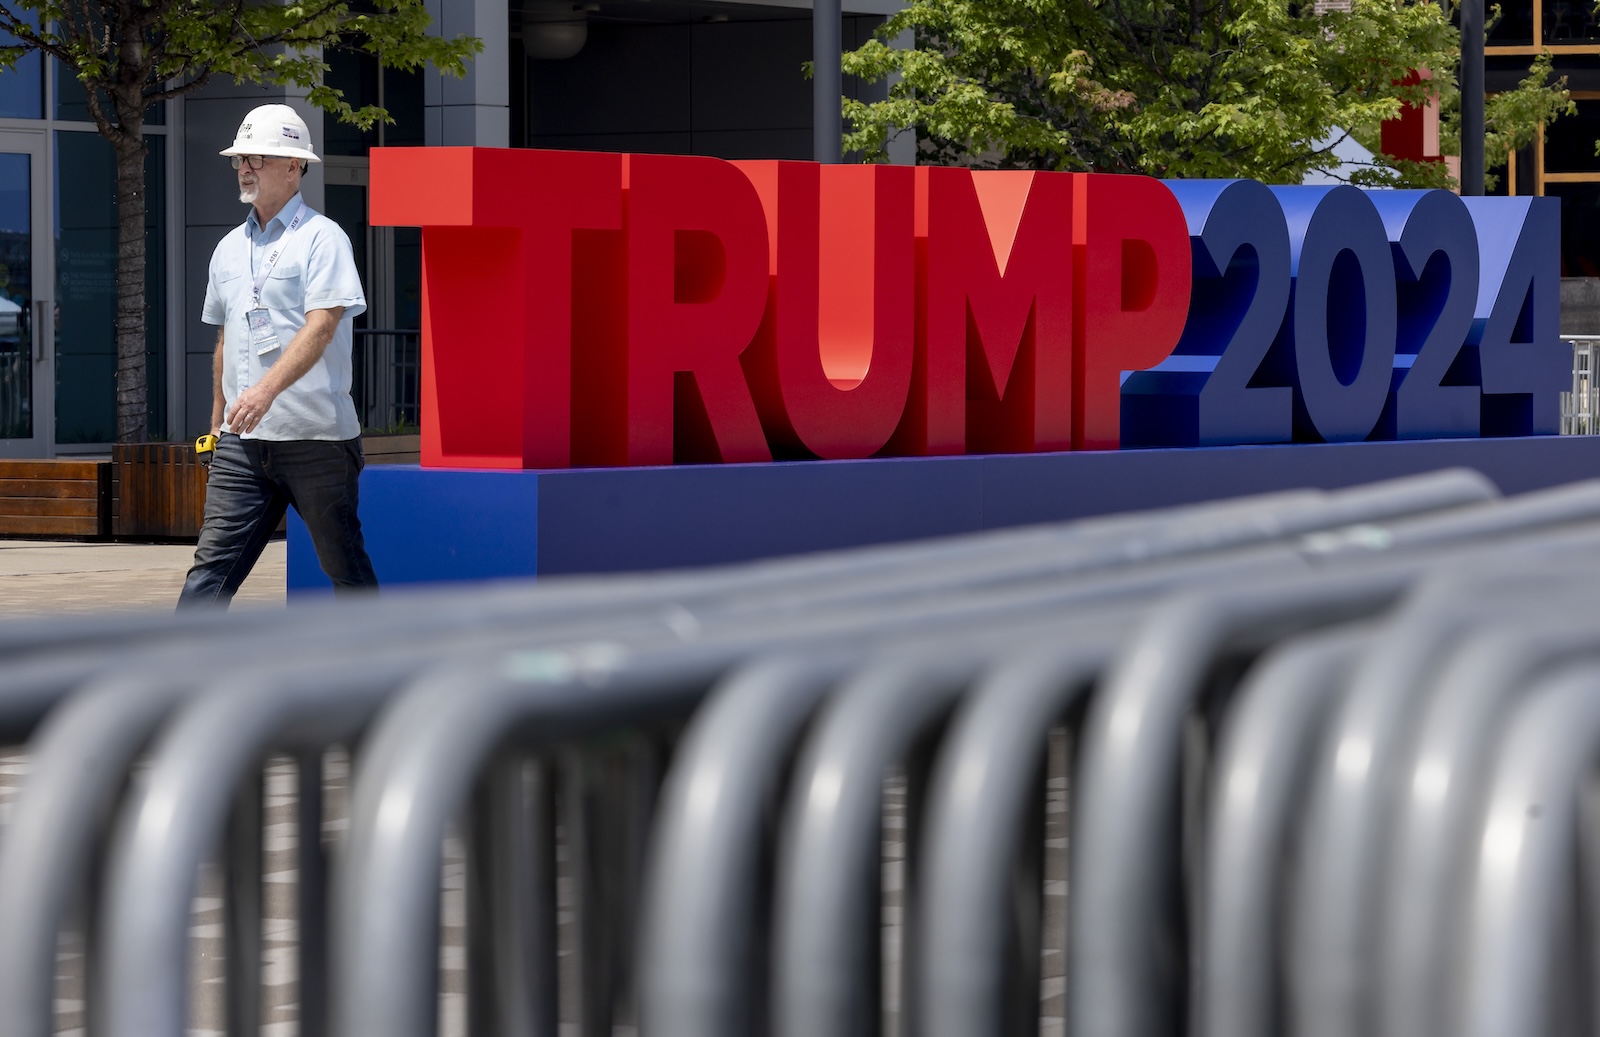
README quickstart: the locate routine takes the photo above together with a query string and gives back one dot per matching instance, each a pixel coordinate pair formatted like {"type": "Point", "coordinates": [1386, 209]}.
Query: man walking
{"type": "Point", "coordinates": [283, 288]}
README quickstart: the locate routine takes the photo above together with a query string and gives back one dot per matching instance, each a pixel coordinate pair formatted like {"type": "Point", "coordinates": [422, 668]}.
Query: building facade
{"type": "Point", "coordinates": [1562, 161]}
{"type": "Point", "coordinates": [696, 77]}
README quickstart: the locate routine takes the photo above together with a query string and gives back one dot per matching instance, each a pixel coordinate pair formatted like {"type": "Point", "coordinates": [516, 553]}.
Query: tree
{"type": "Point", "coordinates": [1202, 88]}
{"type": "Point", "coordinates": [132, 54]}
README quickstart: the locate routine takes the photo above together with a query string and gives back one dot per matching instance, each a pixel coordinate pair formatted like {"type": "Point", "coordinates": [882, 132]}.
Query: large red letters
{"type": "Point", "coordinates": [696, 289]}
{"type": "Point", "coordinates": [680, 293]}
{"type": "Point", "coordinates": [994, 342]}
{"type": "Point", "coordinates": [1133, 248]}
{"type": "Point", "coordinates": [832, 366]}
{"type": "Point", "coordinates": [594, 309]}
{"type": "Point", "coordinates": [498, 295]}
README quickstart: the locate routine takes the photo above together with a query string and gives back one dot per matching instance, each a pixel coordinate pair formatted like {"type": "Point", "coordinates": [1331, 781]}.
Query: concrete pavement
{"type": "Point", "coordinates": [57, 576]}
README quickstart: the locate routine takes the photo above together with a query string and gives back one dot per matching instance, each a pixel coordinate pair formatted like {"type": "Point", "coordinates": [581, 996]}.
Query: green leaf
{"type": "Point", "coordinates": [1206, 89]}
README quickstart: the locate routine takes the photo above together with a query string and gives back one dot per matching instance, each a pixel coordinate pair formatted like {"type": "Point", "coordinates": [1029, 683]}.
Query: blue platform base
{"type": "Point", "coordinates": [429, 525]}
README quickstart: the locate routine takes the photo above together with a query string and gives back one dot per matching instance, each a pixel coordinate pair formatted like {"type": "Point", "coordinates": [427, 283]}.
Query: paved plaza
{"type": "Point", "coordinates": [57, 576]}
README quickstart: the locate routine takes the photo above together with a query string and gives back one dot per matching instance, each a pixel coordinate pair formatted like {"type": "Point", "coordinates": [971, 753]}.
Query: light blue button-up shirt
{"type": "Point", "coordinates": [316, 270]}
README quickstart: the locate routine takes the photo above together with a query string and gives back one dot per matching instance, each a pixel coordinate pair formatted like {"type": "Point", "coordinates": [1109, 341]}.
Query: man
{"type": "Point", "coordinates": [284, 289]}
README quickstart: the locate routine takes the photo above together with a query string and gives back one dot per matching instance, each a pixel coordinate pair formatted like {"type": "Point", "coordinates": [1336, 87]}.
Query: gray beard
{"type": "Point", "coordinates": [248, 195]}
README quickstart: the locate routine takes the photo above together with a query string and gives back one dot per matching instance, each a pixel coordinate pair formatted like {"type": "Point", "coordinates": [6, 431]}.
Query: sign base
{"type": "Point", "coordinates": [438, 525]}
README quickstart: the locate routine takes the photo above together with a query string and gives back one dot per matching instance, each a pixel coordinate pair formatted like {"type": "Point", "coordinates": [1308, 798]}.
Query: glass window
{"type": "Point", "coordinates": [1514, 27]}
{"type": "Point", "coordinates": [346, 205]}
{"type": "Point", "coordinates": [16, 296]}
{"type": "Point", "coordinates": [86, 287]}
{"type": "Point", "coordinates": [72, 102]}
{"type": "Point", "coordinates": [1580, 228]}
{"type": "Point", "coordinates": [1569, 21]}
{"type": "Point", "coordinates": [22, 88]}
{"type": "Point", "coordinates": [407, 278]}
{"type": "Point", "coordinates": [402, 95]}
{"type": "Point", "coordinates": [1569, 141]}
{"type": "Point", "coordinates": [357, 75]}
{"type": "Point", "coordinates": [1516, 176]}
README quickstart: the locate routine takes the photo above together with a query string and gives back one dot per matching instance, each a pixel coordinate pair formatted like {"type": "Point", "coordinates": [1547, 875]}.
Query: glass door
{"type": "Point", "coordinates": [27, 319]}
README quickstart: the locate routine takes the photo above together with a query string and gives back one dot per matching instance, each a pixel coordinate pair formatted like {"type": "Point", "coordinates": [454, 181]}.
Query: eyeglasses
{"type": "Point", "coordinates": [256, 161]}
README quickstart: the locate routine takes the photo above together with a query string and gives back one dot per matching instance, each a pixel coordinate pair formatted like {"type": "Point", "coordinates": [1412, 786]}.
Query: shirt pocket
{"type": "Point", "coordinates": [284, 291]}
{"type": "Point", "coordinates": [221, 294]}
{"type": "Point", "coordinates": [224, 283]}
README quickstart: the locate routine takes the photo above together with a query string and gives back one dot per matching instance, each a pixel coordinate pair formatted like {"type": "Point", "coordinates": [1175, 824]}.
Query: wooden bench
{"type": "Point", "coordinates": [392, 449]}
{"type": "Point", "coordinates": [158, 490]}
{"type": "Point", "coordinates": [55, 498]}
{"type": "Point", "coordinates": [146, 490]}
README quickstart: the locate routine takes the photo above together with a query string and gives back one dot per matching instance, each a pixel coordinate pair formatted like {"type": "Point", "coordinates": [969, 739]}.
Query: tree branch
{"type": "Point", "coordinates": [1209, 32]}
{"type": "Point", "coordinates": [108, 130]}
{"type": "Point", "coordinates": [86, 27]}
{"type": "Point", "coordinates": [25, 31]}
{"type": "Point", "coordinates": [169, 93]}
{"type": "Point", "coordinates": [288, 34]}
{"type": "Point", "coordinates": [70, 20]}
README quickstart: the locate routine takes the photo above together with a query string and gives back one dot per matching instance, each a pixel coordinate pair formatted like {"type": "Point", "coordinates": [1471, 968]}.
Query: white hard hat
{"type": "Point", "coordinates": [273, 129]}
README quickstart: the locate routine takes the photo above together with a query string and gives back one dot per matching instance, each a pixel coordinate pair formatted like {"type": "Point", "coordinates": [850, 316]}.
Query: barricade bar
{"type": "Point", "coordinates": [1313, 762]}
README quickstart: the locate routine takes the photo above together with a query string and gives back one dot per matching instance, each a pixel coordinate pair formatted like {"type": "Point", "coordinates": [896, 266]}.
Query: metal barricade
{"type": "Point", "coordinates": [1308, 763]}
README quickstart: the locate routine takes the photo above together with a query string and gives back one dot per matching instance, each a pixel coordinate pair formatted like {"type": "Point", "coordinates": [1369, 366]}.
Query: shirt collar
{"type": "Point", "coordinates": [282, 218]}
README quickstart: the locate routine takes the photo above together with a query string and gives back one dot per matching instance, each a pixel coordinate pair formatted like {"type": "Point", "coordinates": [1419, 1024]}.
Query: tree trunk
{"type": "Point", "coordinates": [133, 422]}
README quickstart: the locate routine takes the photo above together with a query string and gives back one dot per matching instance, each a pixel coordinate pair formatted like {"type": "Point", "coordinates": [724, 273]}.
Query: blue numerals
{"type": "Point", "coordinates": [1330, 314]}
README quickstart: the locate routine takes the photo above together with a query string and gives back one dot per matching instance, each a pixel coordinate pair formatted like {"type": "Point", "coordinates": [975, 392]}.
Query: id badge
{"type": "Point", "coordinates": [262, 338]}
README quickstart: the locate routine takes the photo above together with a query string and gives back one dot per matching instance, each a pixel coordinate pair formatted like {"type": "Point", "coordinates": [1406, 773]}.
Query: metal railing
{"type": "Point", "coordinates": [1580, 406]}
{"type": "Point", "coordinates": [387, 382]}
{"type": "Point", "coordinates": [1306, 763]}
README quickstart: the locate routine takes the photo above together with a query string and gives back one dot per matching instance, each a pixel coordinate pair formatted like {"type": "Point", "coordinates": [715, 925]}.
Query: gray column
{"type": "Point", "coordinates": [476, 109]}
{"type": "Point", "coordinates": [1472, 97]}
{"type": "Point", "coordinates": [903, 145]}
{"type": "Point", "coordinates": [827, 84]}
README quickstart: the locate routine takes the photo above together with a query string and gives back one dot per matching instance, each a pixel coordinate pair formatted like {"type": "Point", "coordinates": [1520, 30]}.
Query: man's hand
{"type": "Point", "coordinates": [251, 406]}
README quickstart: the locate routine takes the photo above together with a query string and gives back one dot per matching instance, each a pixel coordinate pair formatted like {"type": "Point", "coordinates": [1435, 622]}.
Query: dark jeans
{"type": "Point", "coordinates": [251, 483]}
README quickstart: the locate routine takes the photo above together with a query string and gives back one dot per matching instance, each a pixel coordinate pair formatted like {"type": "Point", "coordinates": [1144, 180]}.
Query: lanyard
{"type": "Point", "coordinates": [272, 259]}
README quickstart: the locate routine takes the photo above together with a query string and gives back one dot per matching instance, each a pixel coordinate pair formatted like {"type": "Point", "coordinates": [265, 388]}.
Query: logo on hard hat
{"type": "Point", "coordinates": [273, 129]}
